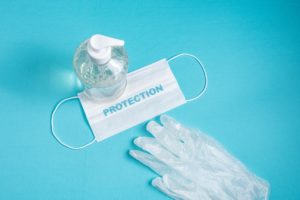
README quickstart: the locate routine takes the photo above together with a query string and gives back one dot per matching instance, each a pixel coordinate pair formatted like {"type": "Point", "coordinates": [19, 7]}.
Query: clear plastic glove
{"type": "Point", "coordinates": [194, 166]}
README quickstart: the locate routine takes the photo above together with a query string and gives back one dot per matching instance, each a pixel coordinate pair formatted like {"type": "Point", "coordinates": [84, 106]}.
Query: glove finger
{"type": "Point", "coordinates": [150, 161]}
{"type": "Point", "coordinates": [195, 142]}
{"type": "Point", "coordinates": [181, 132]}
{"type": "Point", "coordinates": [175, 186]}
{"type": "Point", "coordinates": [188, 138]}
{"type": "Point", "coordinates": [166, 138]}
{"type": "Point", "coordinates": [152, 146]}
{"type": "Point", "coordinates": [158, 184]}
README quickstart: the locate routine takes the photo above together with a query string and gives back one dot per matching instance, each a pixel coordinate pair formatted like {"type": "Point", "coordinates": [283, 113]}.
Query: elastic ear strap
{"type": "Point", "coordinates": [203, 70]}
{"type": "Point", "coordinates": [52, 126]}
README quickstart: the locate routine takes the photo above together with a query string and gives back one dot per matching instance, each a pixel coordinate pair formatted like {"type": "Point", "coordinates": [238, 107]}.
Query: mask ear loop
{"type": "Point", "coordinates": [203, 70]}
{"type": "Point", "coordinates": [52, 126]}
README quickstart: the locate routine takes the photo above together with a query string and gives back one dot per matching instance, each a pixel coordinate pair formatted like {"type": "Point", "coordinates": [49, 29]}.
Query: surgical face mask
{"type": "Point", "coordinates": [150, 91]}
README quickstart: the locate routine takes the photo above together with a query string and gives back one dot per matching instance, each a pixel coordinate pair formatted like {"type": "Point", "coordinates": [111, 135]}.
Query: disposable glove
{"type": "Point", "coordinates": [193, 166]}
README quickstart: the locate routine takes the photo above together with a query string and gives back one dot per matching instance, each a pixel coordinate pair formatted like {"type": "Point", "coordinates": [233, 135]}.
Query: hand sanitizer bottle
{"type": "Point", "coordinates": [101, 64]}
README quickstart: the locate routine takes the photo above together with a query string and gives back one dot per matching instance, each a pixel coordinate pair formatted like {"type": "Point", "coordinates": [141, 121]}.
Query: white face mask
{"type": "Point", "coordinates": [150, 91]}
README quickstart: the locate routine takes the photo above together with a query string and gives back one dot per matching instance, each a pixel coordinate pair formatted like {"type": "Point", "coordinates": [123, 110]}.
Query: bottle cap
{"type": "Point", "coordinates": [99, 47]}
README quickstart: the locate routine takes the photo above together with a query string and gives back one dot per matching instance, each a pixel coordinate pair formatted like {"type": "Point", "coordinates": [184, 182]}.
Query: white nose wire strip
{"type": "Point", "coordinates": [203, 70]}
{"type": "Point", "coordinates": [53, 131]}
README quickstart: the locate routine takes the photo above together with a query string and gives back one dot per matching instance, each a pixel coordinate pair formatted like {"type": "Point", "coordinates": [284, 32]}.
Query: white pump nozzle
{"type": "Point", "coordinates": [99, 47]}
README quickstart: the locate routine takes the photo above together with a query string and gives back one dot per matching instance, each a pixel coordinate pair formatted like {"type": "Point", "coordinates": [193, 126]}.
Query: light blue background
{"type": "Point", "coordinates": [251, 50]}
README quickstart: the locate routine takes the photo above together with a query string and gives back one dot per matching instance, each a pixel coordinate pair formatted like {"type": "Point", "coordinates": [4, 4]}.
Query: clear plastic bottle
{"type": "Point", "coordinates": [101, 64]}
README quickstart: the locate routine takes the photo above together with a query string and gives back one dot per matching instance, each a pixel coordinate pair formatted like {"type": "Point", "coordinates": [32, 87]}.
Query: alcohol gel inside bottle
{"type": "Point", "coordinates": [101, 63]}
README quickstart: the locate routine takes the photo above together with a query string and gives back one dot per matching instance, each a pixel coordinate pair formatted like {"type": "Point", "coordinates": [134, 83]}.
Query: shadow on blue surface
{"type": "Point", "coordinates": [38, 72]}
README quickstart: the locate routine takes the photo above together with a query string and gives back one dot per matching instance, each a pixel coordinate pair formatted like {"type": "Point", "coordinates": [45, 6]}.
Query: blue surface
{"type": "Point", "coordinates": [251, 50]}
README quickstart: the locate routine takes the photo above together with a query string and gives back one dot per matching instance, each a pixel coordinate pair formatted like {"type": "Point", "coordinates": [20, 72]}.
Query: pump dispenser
{"type": "Point", "coordinates": [100, 47]}
{"type": "Point", "coordinates": [101, 64]}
